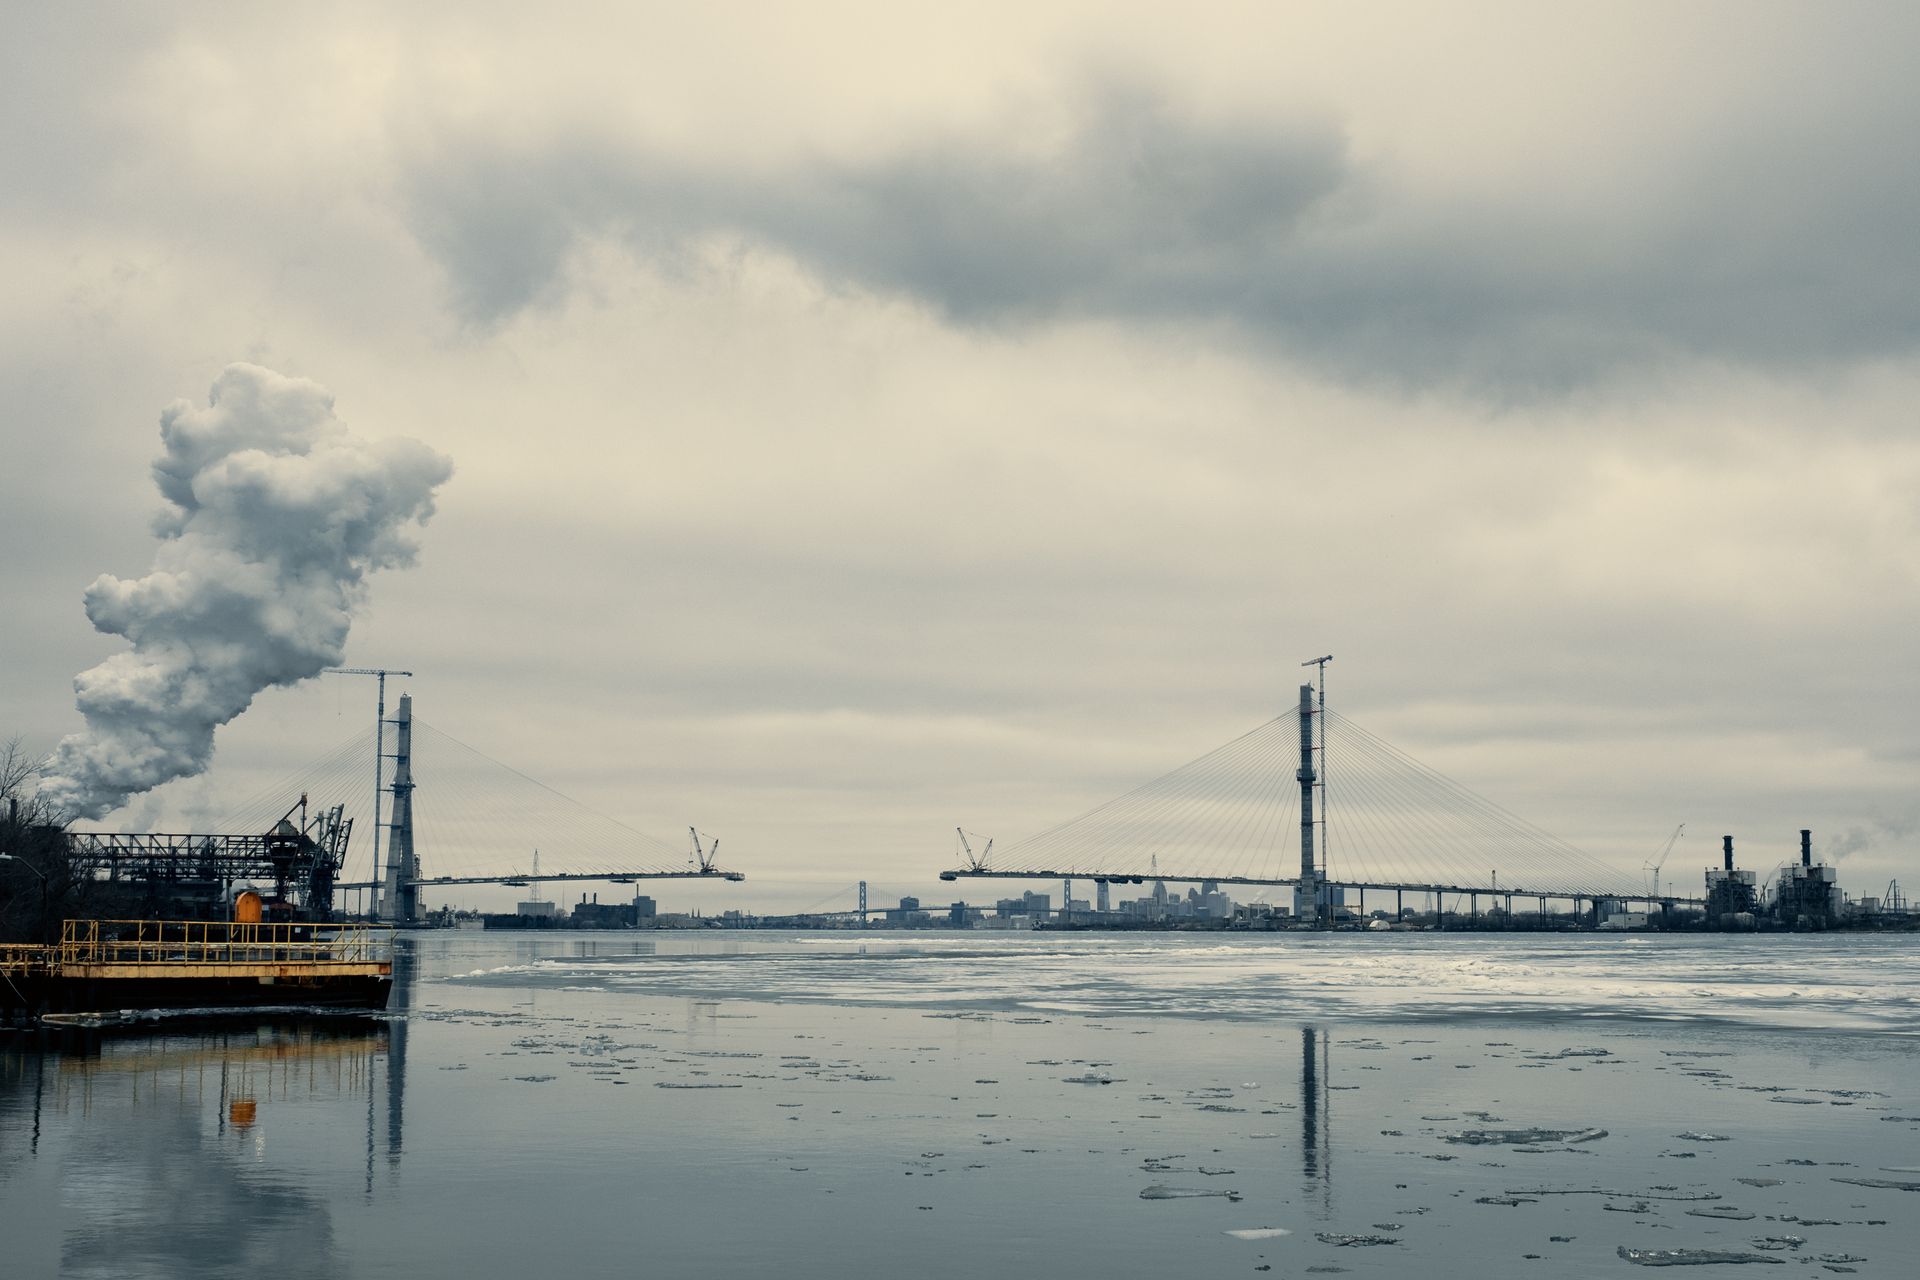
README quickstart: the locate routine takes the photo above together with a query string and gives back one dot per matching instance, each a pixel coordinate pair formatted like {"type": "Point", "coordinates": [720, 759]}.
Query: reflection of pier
{"type": "Point", "coordinates": [146, 1126]}
{"type": "Point", "coordinates": [202, 1083]}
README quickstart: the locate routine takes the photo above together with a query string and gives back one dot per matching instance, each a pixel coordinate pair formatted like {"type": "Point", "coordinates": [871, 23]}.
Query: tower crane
{"type": "Point", "coordinates": [974, 863]}
{"type": "Point", "coordinates": [1660, 859]}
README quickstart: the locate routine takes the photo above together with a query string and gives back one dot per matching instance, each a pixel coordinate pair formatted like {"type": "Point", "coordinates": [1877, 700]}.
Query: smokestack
{"type": "Point", "coordinates": [1806, 847]}
{"type": "Point", "coordinates": [1726, 850]}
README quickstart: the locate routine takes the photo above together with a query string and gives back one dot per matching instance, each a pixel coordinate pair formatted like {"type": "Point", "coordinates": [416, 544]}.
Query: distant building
{"type": "Point", "coordinates": [526, 915]}
{"type": "Point", "coordinates": [907, 915]}
{"type": "Point", "coordinates": [1621, 918]}
{"type": "Point", "coordinates": [598, 915]}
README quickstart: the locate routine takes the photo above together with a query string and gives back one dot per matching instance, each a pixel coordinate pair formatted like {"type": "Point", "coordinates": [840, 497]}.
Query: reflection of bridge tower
{"type": "Point", "coordinates": [1316, 1119]}
{"type": "Point", "coordinates": [400, 896]}
{"type": "Point", "coordinates": [399, 1002]}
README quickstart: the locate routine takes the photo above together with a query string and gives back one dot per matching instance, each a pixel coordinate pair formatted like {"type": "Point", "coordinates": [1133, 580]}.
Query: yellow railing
{"type": "Point", "coordinates": [84, 942]}
{"type": "Point", "coordinates": [22, 959]}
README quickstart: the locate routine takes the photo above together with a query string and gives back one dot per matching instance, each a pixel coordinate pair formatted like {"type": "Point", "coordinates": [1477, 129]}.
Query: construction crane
{"type": "Point", "coordinates": [1661, 858]}
{"type": "Point", "coordinates": [974, 863]}
{"type": "Point", "coordinates": [703, 858]}
{"type": "Point", "coordinates": [379, 750]}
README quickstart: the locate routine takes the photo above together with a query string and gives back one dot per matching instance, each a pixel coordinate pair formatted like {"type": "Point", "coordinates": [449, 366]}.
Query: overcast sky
{"type": "Point", "coordinates": [872, 418]}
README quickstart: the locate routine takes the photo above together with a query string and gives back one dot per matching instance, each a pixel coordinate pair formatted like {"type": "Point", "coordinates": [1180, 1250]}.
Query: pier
{"type": "Point", "coordinates": [103, 966]}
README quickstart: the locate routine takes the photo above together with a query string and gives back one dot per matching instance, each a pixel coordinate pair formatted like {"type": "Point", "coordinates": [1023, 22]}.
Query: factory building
{"type": "Point", "coordinates": [1732, 895]}
{"type": "Point", "coordinates": [1806, 896]}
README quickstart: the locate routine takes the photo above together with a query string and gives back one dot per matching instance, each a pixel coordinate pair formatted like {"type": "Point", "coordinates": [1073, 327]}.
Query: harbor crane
{"type": "Point", "coordinates": [974, 863]}
{"type": "Point", "coordinates": [1660, 859]}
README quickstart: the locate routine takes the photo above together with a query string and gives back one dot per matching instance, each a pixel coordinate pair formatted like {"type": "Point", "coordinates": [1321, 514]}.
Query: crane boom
{"type": "Point", "coordinates": [979, 862]}
{"type": "Point", "coordinates": [1661, 859]}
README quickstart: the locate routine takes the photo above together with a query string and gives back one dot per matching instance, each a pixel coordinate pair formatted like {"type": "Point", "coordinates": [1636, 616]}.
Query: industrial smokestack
{"type": "Point", "coordinates": [276, 515]}
{"type": "Point", "coordinates": [1726, 850]}
{"type": "Point", "coordinates": [1806, 847]}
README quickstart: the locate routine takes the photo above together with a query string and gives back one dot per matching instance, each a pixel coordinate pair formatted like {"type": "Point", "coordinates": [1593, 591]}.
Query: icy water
{"type": "Point", "coordinates": [759, 1104]}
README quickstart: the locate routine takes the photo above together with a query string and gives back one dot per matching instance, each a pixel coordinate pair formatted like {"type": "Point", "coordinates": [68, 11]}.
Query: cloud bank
{"type": "Point", "coordinates": [1124, 206]}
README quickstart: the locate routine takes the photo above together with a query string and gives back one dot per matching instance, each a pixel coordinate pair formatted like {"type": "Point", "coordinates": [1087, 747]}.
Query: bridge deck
{"type": "Point", "coordinates": [516, 878]}
{"type": "Point", "coordinates": [1465, 890]}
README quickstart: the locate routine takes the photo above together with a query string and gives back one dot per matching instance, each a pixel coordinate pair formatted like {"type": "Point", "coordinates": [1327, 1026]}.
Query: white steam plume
{"type": "Point", "coordinates": [277, 514]}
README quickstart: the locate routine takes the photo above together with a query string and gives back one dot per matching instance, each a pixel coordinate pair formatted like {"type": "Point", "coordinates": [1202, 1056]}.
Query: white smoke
{"type": "Point", "coordinates": [277, 514]}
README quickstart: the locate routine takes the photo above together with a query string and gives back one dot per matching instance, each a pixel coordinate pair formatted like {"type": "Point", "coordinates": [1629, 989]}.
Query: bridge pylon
{"type": "Point", "coordinates": [400, 894]}
{"type": "Point", "coordinates": [1309, 893]}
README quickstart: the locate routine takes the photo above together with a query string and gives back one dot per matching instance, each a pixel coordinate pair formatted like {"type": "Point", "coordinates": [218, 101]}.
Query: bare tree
{"type": "Point", "coordinates": [39, 879]}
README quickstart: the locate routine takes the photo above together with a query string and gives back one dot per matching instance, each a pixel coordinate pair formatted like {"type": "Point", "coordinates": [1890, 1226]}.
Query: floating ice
{"type": "Point", "coordinates": [1688, 1257]}
{"type": "Point", "coordinates": [1157, 1192]}
{"type": "Point", "coordinates": [1521, 1137]}
{"type": "Point", "coordinates": [1658, 1193]}
{"type": "Point", "coordinates": [1258, 1233]}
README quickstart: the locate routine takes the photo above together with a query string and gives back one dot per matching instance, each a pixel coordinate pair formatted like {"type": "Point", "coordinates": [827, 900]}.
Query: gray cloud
{"type": "Point", "coordinates": [1788, 257]}
{"type": "Point", "coordinates": [1138, 208]}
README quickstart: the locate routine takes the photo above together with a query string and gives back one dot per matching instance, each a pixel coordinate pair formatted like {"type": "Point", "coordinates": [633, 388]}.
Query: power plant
{"type": "Point", "coordinates": [1800, 894]}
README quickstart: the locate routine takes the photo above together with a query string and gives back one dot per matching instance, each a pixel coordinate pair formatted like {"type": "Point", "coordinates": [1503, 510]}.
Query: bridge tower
{"type": "Point", "coordinates": [400, 896]}
{"type": "Point", "coordinates": [863, 904]}
{"type": "Point", "coordinates": [1307, 893]}
{"type": "Point", "coordinates": [379, 749]}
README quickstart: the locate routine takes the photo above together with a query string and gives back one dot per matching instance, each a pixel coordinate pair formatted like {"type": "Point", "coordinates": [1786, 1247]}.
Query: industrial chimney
{"type": "Point", "coordinates": [1726, 850]}
{"type": "Point", "coordinates": [1806, 847]}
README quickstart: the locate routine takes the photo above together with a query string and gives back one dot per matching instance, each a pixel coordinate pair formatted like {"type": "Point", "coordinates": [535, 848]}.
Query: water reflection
{"type": "Point", "coordinates": [404, 963]}
{"type": "Point", "coordinates": [160, 1165]}
{"type": "Point", "coordinates": [162, 1170]}
{"type": "Point", "coordinates": [1316, 1112]}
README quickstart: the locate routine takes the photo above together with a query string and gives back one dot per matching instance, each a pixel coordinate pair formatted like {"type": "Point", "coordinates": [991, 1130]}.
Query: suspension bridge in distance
{"type": "Point", "coordinates": [1357, 813]}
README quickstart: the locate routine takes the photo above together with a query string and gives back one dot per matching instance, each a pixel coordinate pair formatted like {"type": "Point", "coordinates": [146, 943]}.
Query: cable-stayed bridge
{"type": "Point", "coordinates": [1312, 800]}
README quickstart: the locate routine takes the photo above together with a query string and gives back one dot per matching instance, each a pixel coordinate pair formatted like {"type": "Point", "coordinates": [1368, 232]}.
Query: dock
{"type": "Point", "coordinates": [107, 966]}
